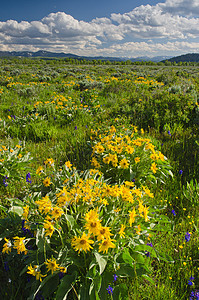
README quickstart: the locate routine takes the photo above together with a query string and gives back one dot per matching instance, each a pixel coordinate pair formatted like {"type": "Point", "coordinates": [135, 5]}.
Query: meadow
{"type": "Point", "coordinates": [99, 180]}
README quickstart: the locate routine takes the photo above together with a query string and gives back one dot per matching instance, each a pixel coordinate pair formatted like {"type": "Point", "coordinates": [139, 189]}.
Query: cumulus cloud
{"type": "Point", "coordinates": [174, 21]}
{"type": "Point", "coordinates": [181, 7]}
{"type": "Point", "coordinates": [155, 22]}
{"type": "Point", "coordinates": [133, 49]}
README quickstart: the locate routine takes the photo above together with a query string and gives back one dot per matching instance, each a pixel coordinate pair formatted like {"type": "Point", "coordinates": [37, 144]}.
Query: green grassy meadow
{"type": "Point", "coordinates": [99, 181]}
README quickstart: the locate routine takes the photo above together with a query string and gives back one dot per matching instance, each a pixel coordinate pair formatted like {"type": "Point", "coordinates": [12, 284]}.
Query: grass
{"type": "Point", "coordinates": [93, 98]}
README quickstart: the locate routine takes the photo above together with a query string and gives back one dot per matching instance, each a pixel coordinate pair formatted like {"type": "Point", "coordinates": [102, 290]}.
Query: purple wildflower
{"type": "Point", "coordinates": [115, 277]}
{"type": "Point", "coordinates": [4, 181]}
{"type": "Point", "coordinates": [110, 290]}
{"type": "Point", "coordinates": [28, 177]}
{"type": "Point", "coordinates": [187, 236]}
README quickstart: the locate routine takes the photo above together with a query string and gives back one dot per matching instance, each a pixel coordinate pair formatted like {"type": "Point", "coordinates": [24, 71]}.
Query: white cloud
{"type": "Point", "coordinates": [181, 7]}
{"type": "Point", "coordinates": [175, 22]}
{"type": "Point", "coordinates": [134, 49]}
{"type": "Point", "coordinates": [153, 22]}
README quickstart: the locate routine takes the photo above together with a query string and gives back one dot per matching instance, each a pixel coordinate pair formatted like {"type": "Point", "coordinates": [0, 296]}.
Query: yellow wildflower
{"type": "Point", "coordinates": [39, 170]}
{"type": "Point", "coordinates": [7, 246]}
{"type": "Point", "coordinates": [35, 271]}
{"type": "Point", "coordinates": [52, 265]}
{"type": "Point", "coordinates": [25, 212]}
{"type": "Point", "coordinates": [47, 181]}
{"type": "Point", "coordinates": [104, 233]}
{"type": "Point", "coordinates": [48, 226]}
{"type": "Point", "coordinates": [68, 164]}
{"type": "Point", "coordinates": [154, 167]}
{"type": "Point", "coordinates": [124, 164]}
{"type": "Point", "coordinates": [19, 245]}
{"type": "Point", "coordinates": [132, 216]}
{"type": "Point", "coordinates": [82, 243]}
{"type": "Point", "coordinates": [121, 232]}
{"type": "Point", "coordinates": [106, 244]}
{"type": "Point", "coordinates": [137, 159]}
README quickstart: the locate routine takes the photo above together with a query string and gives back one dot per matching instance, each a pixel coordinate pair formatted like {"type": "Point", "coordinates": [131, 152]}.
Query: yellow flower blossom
{"type": "Point", "coordinates": [132, 216]}
{"type": "Point", "coordinates": [124, 164]}
{"type": "Point", "coordinates": [7, 246]}
{"type": "Point", "coordinates": [52, 265]}
{"type": "Point", "coordinates": [47, 181]}
{"type": "Point", "coordinates": [35, 271]}
{"type": "Point", "coordinates": [68, 164]}
{"type": "Point", "coordinates": [39, 170]}
{"type": "Point", "coordinates": [121, 232]}
{"type": "Point", "coordinates": [82, 243]}
{"type": "Point", "coordinates": [137, 160]}
{"type": "Point", "coordinates": [106, 244]}
{"type": "Point", "coordinates": [56, 212]}
{"type": "Point", "coordinates": [49, 228]}
{"type": "Point", "coordinates": [25, 212]}
{"type": "Point", "coordinates": [104, 233]}
{"type": "Point", "coordinates": [19, 245]}
{"type": "Point", "coordinates": [154, 167]}
{"type": "Point", "coordinates": [93, 226]}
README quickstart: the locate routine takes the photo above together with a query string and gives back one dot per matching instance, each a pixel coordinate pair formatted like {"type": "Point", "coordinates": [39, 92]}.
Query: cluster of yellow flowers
{"type": "Point", "coordinates": [142, 80]}
{"type": "Point", "coordinates": [19, 245]}
{"type": "Point", "coordinates": [14, 84]}
{"type": "Point", "coordinates": [123, 151]}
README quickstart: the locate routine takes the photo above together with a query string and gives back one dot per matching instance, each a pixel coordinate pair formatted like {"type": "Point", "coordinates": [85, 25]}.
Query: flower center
{"type": "Point", "coordinates": [82, 242]}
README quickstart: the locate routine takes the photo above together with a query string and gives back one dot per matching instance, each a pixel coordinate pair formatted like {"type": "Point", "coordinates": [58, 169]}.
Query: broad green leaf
{"type": "Point", "coordinates": [50, 286]}
{"type": "Point", "coordinates": [126, 270]}
{"type": "Point", "coordinates": [84, 292]}
{"type": "Point", "coordinates": [70, 221]}
{"type": "Point", "coordinates": [145, 276]}
{"type": "Point", "coordinates": [65, 286]}
{"type": "Point", "coordinates": [16, 209]}
{"type": "Point", "coordinates": [106, 279]}
{"type": "Point", "coordinates": [120, 292]}
{"type": "Point", "coordinates": [127, 257]}
{"type": "Point", "coordinates": [101, 262]}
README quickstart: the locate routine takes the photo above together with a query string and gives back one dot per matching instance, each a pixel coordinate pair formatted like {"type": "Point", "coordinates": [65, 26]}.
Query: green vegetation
{"type": "Point", "coordinates": [99, 181]}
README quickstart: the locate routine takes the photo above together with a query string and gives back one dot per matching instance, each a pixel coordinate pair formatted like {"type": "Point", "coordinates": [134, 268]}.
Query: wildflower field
{"type": "Point", "coordinates": [99, 180]}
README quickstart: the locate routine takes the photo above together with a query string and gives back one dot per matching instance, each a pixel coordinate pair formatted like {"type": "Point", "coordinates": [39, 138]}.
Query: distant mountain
{"type": "Point", "coordinates": [154, 59]}
{"type": "Point", "coordinates": [48, 54]}
{"type": "Point", "coordinates": [190, 57]}
{"type": "Point", "coordinates": [40, 53]}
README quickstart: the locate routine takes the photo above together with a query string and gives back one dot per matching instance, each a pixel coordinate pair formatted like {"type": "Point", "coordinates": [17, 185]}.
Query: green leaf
{"type": "Point", "coordinates": [93, 293]}
{"type": "Point", "coordinates": [70, 221]}
{"type": "Point", "coordinates": [84, 292]}
{"type": "Point", "coordinates": [126, 270]}
{"type": "Point", "coordinates": [120, 292]}
{"type": "Point", "coordinates": [106, 279]}
{"type": "Point", "coordinates": [50, 286]}
{"type": "Point", "coordinates": [16, 209]}
{"type": "Point", "coordinates": [101, 262]}
{"type": "Point", "coordinates": [3, 208]}
{"type": "Point", "coordinates": [143, 248]}
{"type": "Point", "coordinates": [145, 276]}
{"type": "Point", "coordinates": [65, 286]}
{"type": "Point", "coordinates": [127, 257]}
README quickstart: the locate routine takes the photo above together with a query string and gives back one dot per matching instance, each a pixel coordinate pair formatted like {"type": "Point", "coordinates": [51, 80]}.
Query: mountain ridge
{"type": "Point", "coordinates": [48, 54]}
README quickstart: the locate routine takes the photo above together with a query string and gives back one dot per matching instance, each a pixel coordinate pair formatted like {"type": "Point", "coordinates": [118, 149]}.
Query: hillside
{"type": "Point", "coordinates": [190, 57]}
{"type": "Point", "coordinates": [51, 55]}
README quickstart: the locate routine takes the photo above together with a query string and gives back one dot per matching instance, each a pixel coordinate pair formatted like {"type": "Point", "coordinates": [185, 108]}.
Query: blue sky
{"type": "Point", "coordinates": [107, 28]}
